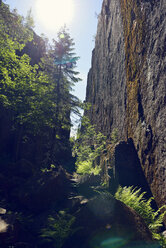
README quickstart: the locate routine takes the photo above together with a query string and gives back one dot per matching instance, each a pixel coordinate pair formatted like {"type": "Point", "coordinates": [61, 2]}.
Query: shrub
{"type": "Point", "coordinates": [89, 145]}
{"type": "Point", "coordinates": [85, 167]}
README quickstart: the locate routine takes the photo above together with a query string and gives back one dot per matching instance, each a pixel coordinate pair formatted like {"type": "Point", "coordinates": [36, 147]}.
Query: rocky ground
{"type": "Point", "coordinates": [82, 216]}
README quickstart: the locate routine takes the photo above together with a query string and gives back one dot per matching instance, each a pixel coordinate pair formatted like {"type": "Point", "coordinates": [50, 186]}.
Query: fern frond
{"type": "Point", "coordinates": [133, 198]}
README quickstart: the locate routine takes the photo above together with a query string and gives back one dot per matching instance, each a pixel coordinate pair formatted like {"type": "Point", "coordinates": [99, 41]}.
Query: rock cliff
{"type": "Point", "coordinates": [127, 84]}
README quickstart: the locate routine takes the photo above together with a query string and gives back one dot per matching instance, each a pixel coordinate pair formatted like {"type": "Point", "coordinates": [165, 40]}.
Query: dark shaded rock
{"type": "Point", "coordinates": [15, 233]}
{"type": "Point", "coordinates": [23, 245]}
{"type": "Point", "coordinates": [106, 84]}
{"type": "Point", "coordinates": [23, 168]}
{"type": "Point", "coordinates": [128, 170]}
{"type": "Point", "coordinates": [88, 180]}
{"type": "Point", "coordinates": [86, 184]}
{"type": "Point", "coordinates": [4, 186]}
{"type": "Point", "coordinates": [41, 192]}
{"type": "Point", "coordinates": [32, 203]}
{"type": "Point", "coordinates": [104, 218]}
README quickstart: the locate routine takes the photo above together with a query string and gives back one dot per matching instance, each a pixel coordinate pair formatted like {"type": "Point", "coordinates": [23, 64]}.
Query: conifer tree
{"type": "Point", "coordinates": [62, 63]}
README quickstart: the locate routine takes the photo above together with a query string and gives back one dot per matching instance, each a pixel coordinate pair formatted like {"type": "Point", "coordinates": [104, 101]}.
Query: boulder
{"type": "Point", "coordinates": [106, 222]}
{"type": "Point", "coordinates": [13, 233]}
{"type": "Point", "coordinates": [86, 184]}
{"type": "Point", "coordinates": [42, 192]}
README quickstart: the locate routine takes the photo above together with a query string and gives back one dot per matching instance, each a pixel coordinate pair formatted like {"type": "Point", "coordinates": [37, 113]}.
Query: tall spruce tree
{"type": "Point", "coordinates": [64, 76]}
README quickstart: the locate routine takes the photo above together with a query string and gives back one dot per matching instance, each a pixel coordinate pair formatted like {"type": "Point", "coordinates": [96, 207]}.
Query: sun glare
{"type": "Point", "coordinates": [53, 14]}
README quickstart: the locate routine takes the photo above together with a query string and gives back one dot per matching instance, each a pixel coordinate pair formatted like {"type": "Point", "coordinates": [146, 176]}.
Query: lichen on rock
{"type": "Point", "coordinates": [126, 83]}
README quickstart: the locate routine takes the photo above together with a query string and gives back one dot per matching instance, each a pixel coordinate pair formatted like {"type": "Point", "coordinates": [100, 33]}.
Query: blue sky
{"type": "Point", "coordinates": [82, 29]}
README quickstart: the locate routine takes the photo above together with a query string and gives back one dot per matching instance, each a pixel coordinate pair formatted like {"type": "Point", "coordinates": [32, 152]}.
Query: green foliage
{"type": "Point", "coordinates": [62, 78]}
{"type": "Point", "coordinates": [35, 92]}
{"type": "Point", "coordinates": [13, 26]}
{"type": "Point", "coordinates": [89, 145]}
{"type": "Point", "coordinates": [114, 136]}
{"type": "Point", "coordinates": [133, 198]}
{"type": "Point", "coordinates": [160, 237]}
{"type": "Point", "coordinates": [37, 96]}
{"type": "Point", "coordinates": [85, 167]}
{"type": "Point", "coordinates": [20, 83]}
{"type": "Point", "coordinates": [58, 229]}
{"type": "Point", "coordinates": [29, 20]}
{"type": "Point", "coordinates": [51, 168]}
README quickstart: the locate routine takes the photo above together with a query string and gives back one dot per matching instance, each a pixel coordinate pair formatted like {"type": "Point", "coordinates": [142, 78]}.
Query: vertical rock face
{"type": "Point", "coordinates": [106, 89]}
{"type": "Point", "coordinates": [127, 84]}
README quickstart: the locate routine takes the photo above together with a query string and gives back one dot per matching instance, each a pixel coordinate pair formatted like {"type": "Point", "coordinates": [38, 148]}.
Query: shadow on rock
{"type": "Point", "coordinates": [106, 222]}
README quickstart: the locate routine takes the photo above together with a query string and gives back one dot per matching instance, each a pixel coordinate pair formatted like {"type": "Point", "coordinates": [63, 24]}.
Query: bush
{"type": "Point", "coordinates": [85, 167]}
{"type": "Point", "coordinates": [89, 145]}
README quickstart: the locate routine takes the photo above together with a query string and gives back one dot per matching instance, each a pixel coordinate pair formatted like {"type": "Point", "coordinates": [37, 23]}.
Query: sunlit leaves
{"type": "Point", "coordinates": [38, 96]}
{"type": "Point", "coordinates": [133, 198]}
{"type": "Point", "coordinates": [89, 145]}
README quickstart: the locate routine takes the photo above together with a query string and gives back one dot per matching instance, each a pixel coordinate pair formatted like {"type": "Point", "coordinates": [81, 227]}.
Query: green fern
{"type": "Point", "coordinates": [58, 229]}
{"type": "Point", "coordinates": [133, 198]}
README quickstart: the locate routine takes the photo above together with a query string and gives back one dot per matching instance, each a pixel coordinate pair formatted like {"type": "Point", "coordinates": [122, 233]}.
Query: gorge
{"type": "Point", "coordinates": [44, 200]}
